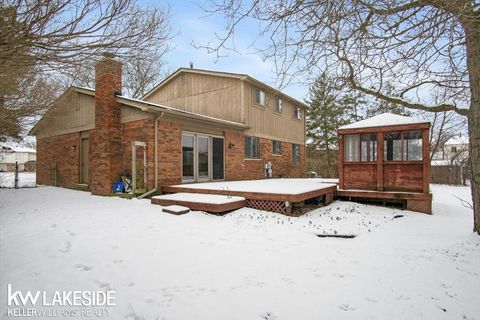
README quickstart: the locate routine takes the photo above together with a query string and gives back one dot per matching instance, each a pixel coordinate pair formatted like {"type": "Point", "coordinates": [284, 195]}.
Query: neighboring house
{"type": "Point", "coordinates": [194, 126]}
{"type": "Point", "coordinates": [450, 164]}
{"type": "Point", "coordinates": [10, 155]}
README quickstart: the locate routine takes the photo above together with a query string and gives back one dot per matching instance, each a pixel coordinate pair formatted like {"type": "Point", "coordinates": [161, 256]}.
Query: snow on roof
{"type": "Point", "coordinates": [457, 140]}
{"type": "Point", "coordinates": [15, 148]}
{"type": "Point", "coordinates": [383, 120]}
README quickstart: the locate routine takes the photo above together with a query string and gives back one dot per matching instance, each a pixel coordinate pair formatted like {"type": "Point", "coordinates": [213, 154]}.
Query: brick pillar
{"type": "Point", "coordinates": [105, 139]}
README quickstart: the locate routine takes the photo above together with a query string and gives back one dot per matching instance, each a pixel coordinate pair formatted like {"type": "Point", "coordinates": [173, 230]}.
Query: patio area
{"type": "Point", "coordinates": [277, 195]}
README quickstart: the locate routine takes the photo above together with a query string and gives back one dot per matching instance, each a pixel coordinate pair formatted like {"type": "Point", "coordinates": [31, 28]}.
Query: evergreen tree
{"type": "Point", "coordinates": [329, 109]}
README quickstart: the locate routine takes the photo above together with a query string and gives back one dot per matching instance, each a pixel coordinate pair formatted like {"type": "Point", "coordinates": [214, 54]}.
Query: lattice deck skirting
{"type": "Point", "coordinates": [268, 205]}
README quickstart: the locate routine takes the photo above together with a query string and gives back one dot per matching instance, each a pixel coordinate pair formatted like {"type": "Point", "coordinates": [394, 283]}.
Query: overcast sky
{"type": "Point", "coordinates": [193, 25]}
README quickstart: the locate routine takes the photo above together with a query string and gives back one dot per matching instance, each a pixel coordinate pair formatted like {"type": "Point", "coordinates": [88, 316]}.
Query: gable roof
{"type": "Point", "coordinates": [383, 120]}
{"type": "Point", "coordinates": [239, 76]}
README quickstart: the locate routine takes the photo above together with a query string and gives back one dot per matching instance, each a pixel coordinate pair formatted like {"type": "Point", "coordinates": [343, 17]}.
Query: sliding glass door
{"type": "Point", "coordinates": [188, 159]}
{"type": "Point", "coordinates": [203, 146]}
{"type": "Point", "coordinates": [202, 157]}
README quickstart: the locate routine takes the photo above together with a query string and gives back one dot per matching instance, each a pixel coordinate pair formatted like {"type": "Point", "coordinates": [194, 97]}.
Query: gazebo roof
{"type": "Point", "coordinates": [383, 120]}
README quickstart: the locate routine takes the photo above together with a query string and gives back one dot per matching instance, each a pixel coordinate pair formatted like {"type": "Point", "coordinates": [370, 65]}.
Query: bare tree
{"type": "Point", "coordinates": [40, 39]}
{"type": "Point", "coordinates": [416, 45]}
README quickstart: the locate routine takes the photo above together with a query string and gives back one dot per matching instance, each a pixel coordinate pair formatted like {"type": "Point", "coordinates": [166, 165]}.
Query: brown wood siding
{"type": "Point", "coordinates": [361, 176]}
{"type": "Point", "coordinates": [403, 177]}
{"type": "Point", "coordinates": [214, 96]}
{"type": "Point", "coordinates": [73, 112]}
{"type": "Point", "coordinates": [264, 122]}
{"type": "Point", "coordinates": [232, 99]}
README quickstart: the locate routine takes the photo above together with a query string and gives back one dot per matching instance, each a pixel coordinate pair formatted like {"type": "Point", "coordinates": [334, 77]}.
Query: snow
{"type": "Point", "coordinates": [248, 264]}
{"type": "Point", "coordinates": [17, 148]}
{"type": "Point", "coordinates": [279, 186]}
{"type": "Point", "coordinates": [383, 120]}
{"type": "Point", "coordinates": [176, 209]}
{"type": "Point", "coordinates": [197, 197]}
{"type": "Point", "coordinates": [458, 140]}
{"type": "Point", "coordinates": [25, 179]}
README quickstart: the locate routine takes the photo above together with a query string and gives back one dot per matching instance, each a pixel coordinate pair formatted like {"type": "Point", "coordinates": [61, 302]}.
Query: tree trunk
{"type": "Point", "coordinates": [472, 31]}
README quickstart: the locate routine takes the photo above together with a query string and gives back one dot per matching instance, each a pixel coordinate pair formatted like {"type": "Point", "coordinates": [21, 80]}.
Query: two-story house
{"type": "Point", "coordinates": [196, 125]}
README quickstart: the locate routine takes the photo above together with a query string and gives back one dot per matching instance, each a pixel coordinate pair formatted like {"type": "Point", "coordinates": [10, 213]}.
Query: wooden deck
{"type": "Point", "coordinates": [209, 203]}
{"type": "Point", "coordinates": [415, 201]}
{"type": "Point", "coordinates": [278, 198]}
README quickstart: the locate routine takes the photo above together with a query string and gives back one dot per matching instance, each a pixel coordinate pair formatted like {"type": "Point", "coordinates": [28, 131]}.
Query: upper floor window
{"type": "Point", "coordinates": [252, 147]}
{"type": "Point", "coordinates": [259, 96]}
{"type": "Point", "coordinates": [276, 147]}
{"type": "Point", "coordinates": [297, 113]}
{"type": "Point", "coordinates": [403, 146]}
{"type": "Point", "coordinates": [278, 105]}
{"type": "Point", "coordinates": [360, 147]}
{"type": "Point", "coordinates": [296, 153]}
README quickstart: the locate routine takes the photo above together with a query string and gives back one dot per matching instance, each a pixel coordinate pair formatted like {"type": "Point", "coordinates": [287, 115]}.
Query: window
{"type": "Point", "coordinates": [259, 96]}
{"type": "Point", "coordinates": [297, 113]}
{"type": "Point", "coordinates": [252, 148]}
{"type": "Point", "coordinates": [412, 149]}
{"type": "Point", "coordinates": [276, 147]}
{"type": "Point", "coordinates": [296, 153]}
{"type": "Point", "coordinates": [368, 147]}
{"type": "Point", "coordinates": [403, 146]}
{"type": "Point", "coordinates": [360, 147]}
{"type": "Point", "coordinates": [454, 149]}
{"type": "Point", "coordinates": [18, 156]}
{"type": "Point", "coordinates": [352, 143]}
{"type": "Point", "coordinates": [278, 105]}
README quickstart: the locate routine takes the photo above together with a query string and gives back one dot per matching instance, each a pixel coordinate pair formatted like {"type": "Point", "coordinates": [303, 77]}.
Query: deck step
{"type": "Point", "coordinates": [175, 209]}
{"type": "Point", "coordinates": [202, 202]}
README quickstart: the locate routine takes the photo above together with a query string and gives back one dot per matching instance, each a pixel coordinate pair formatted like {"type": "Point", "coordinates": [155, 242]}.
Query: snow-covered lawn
{"type": "Point", "coordinates": [25, 179]}
{"type": "Point", "coordinates": [248, 264]}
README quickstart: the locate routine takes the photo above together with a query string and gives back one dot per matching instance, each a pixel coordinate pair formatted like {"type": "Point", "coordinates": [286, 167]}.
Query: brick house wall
{"type": "Point", "coordinates": [169, 153]}
{"type": "Point", "coordinates": [144, 131]}
{"type": "Point", "coordinates": [239, 168]}
{"type": "Point", "coordinates": [62, 154]}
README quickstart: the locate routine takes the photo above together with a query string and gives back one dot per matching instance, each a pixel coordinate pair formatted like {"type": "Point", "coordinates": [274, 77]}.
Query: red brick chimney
{"type": "Point", "coordinates": [105, 138]}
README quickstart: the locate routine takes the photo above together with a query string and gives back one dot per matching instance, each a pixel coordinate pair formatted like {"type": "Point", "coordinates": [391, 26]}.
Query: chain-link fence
{"type": "Point", "coordinates": [17, 179]}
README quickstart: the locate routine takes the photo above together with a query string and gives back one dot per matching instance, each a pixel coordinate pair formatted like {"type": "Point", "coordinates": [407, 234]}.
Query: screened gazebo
{"type": "Point", "coordinates": [386, 158]}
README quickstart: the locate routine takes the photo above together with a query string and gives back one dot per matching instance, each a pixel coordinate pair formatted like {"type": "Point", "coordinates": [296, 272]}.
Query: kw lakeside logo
{"type": "Point", "coordinates": [76, 303]}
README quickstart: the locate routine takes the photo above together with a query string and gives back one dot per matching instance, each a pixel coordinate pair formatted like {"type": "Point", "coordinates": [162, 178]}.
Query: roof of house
{"type": "Point", "coordinates": [14, 148]}
{"type": "Point", "coordinates": [458, 140]}
{"type": "Point", "coordinates": [155, 107]}
{"type": "Point", "coordinates": [383, 120]}
{"type": "Point", "coordinates": [239, 76]}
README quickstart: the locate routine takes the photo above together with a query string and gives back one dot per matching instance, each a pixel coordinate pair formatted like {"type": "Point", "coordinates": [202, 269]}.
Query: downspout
{"type": "Point", "coordinates": [146, 194]}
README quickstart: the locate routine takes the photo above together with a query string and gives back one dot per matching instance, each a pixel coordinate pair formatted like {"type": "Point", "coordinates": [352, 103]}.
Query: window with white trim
{"type": "Point", "coordinates": [259, 97]}
{"type": "Point", "coordinates": [278, 105]}
{"type": "Point", "coordinates": [297, 113]}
